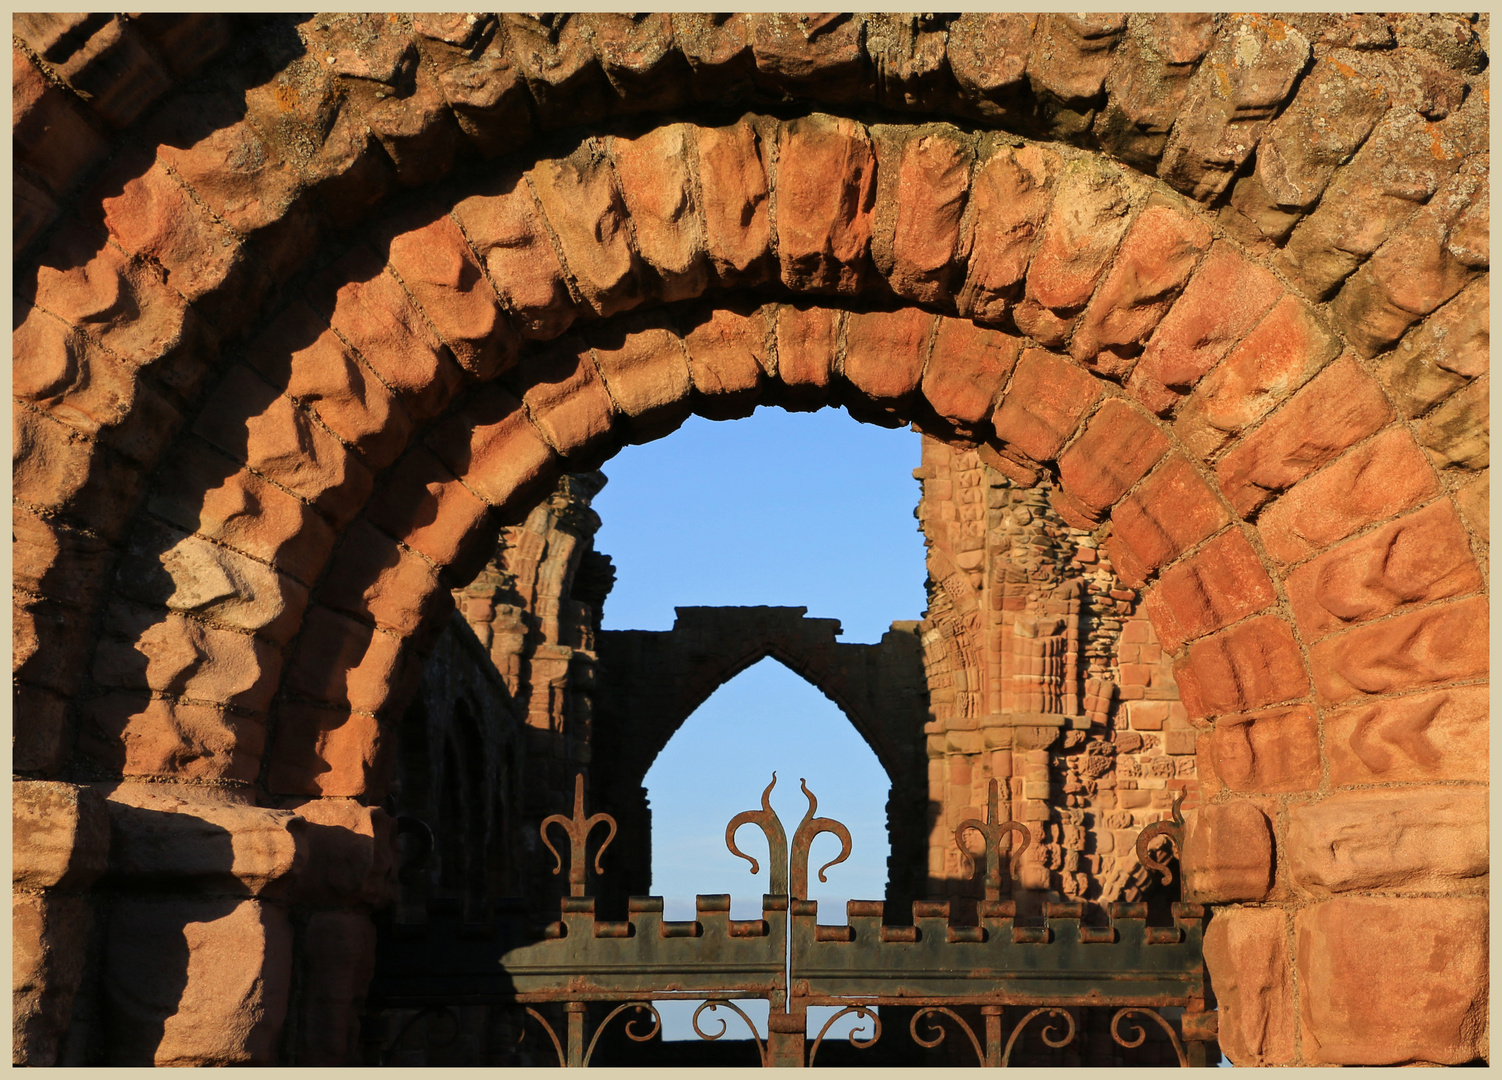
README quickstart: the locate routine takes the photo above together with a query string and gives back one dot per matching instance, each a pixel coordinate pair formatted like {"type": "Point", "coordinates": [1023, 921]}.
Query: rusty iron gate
{"type": "Point", "coordinates": [580, 972]}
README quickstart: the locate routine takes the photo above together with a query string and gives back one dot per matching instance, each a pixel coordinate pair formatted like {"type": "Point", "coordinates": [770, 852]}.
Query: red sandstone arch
{"type": "Point", "coordinates": [356, 448]}
{"type": "Point", "coordinates": [218, 612]}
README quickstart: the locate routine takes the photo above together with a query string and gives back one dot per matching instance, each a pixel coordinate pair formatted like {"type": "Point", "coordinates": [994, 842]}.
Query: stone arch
{"type": "Point", "coordinates": [708, 647]}
{"type": "Point", "coordinates": [165, 257]}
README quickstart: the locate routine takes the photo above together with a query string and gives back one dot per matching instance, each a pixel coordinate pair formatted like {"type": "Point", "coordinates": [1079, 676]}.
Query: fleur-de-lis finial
{"type": "Point", "coordinates": [803, 840]}
{"type": "Point", "coordinates": [993, 831]}
{"type": "Point", "coordinates": [578, 828]}
{"type": "Point", "coordinates": [789, 877]}
{"type": "Point", "coordinates": [777, 843]}
{"type": "Point", "coordinates": [1174, 830]}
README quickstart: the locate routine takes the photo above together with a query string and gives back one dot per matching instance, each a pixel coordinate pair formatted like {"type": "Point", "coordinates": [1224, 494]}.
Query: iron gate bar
{"type": "Point", "coordinates": [792, 961]}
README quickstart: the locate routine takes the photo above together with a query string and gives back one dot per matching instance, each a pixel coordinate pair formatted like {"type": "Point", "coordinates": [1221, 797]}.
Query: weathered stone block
{"type": "Point", "coordinates": [196, 982]}
{"type": "Point", "coordinates": [59, 835]}
{"type": "Point", "coordinates": [583, 205]}
{"type": "Point", "coordinates": [1424, 840]}
{"type": "Point", "coordinates": [1337, 409]}
{"type": "Point", "coordinates": [826, 190]}
{"type": "Point", "coordinates": [161, 565]}
{"type": "Point", "coordinates": [201, 490]}
{"type": "Point", "coordinates": [1438, 356]}
{"type": "Point", "coordinates": [441, 272]}
{"type": "Point", "coordinates": [343, 662]}
{"type": "Point", "coordinates": [1422, 557]}
{"type": "Point", "coordinates": [1457, 434]}
{"type": "Point", "coordinates": [1168, 513]}
{"type": "Point", "coordinates": [1254, 664]}
{"type": "Point", "coordinates": [428, 508]}
{"type": "Point", "coordinates": [1155, 260]}
{"type": "Point", "coordinates": [148, 649]}
{"type": "Point", "coordinates": [967, 367]}
{"type": "Point", "coordinates": [1222, 582]}
{"type": "Point", "coordinates": [1086, 221]}
{"type": "Point", "coordinates": [506, 229]}
{"type": "Point", "coordinates": [247, 418]}
{"type": "Point", "coordinates": [924, 205]}
{"type": "Point", "coordinates": [136, 735]}
{"type": "Point", "coordinates": [1117, 448]}
{"type": "Point", "coordinates": [1439, 644]}
{"type": "Point", "coordinates": [1273, 751]}
{"type": "Point", "coordinates": [374, 578]}
{"type": "Point", "coordinates": [646, 374]}
{"type": "Point", "coordinates": [178, 837]}
{"type": "Point", "coordinates": [1276, 358]}
{"type": "Point", "coordinates": [1247, 954]}
{"type": "Point", "coordinates": [807, 339]}
{"type": "Point", "coordinates": [352, 854]}
{"type": "Point", "coordinates": [1390, 982]}
{"type": "Point", "coordinates": [1373, 482]}
{"type": "Point", "coordinates": [658, 191]}
{"type": "Point", "coordinates": [737, 197]}
{"type": "Point", "coordinates": [885, 353]}
{"type": "Point", "coordinates": [1228, 854]}
{"type": "Point", "coordinates": [494, 448]}
{"type": "Point", "coordinates": [1435, 736]}
{"type": "Point", "coordinates": [330, 753]}
{"type": "Point", "coordinates": [568, 402]}
{"type": "Point", "coordinates": [1227, 296]}
{"type": "Point", "coordinates": [729, 358]}
{"type": "Point", "coordinates": [1047, 399]}
{"type": "Point", "coordinates": [1010, 194]}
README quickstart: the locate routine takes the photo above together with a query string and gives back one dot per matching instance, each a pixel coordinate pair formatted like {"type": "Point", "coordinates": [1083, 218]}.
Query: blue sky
{"type": "Point", "coordinates": [802, 509]}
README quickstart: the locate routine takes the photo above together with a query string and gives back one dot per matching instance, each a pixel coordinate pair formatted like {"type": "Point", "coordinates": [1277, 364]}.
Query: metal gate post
{"type": "Point", "coordinates": [785, 1037]}
{"type": "Point", "coordinates": [992, 1013]}
{"type": "Point", "coordinates": [575, 1011]}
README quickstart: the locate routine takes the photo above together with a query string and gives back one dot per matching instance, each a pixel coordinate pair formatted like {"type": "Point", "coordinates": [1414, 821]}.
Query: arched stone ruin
{"type": "Point", "coordinates": [309, 311]}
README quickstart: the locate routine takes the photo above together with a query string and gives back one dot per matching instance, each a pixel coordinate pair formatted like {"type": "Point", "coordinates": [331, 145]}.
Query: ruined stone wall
{"type": "Point", "coordinates": [1044, 676]}
{"type": "Point", "coordinates": [290, 338]}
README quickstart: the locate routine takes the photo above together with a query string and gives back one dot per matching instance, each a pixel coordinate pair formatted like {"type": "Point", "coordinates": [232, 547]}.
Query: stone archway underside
{"type": "Point", "coordinates": [268, 414]}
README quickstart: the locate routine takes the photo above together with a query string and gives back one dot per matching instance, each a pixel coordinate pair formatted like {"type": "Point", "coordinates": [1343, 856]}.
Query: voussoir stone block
{"type": "Point", "coordinates": [1375, 481]}
{"type": "Point", "coordinates": [1439, 644]}
{"type": "Point", "coordinates": [1272, 751]}
{"type": "Point", "coordinates": [1393, 981]}
{"type": "Point", "coordinates": [1441, 735]}
{"type": "Point", "coordinates": [1252, 664]}
{"type": "Point", "coordinates": [825, 195]}
{"type": "Point", "coordinates": [1419, 558]}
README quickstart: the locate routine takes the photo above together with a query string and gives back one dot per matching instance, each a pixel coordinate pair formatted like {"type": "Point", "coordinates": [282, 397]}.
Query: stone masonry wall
{"type": "Point", "coordinates": [1044, 676]}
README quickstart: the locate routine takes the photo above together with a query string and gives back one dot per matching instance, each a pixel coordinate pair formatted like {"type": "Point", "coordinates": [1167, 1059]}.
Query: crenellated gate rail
{"type": "Point", "coordinates": [935, 969]}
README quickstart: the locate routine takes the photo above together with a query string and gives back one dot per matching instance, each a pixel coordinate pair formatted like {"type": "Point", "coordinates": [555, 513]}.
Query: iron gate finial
{"type": "Point", "coordinates": [578, 829]}
{"type": "Point", "coordinates": [992, 831]}
{"type": "Point", "coordinates": [777, 844]}
{"type": "Point", "coordinates": [803, 841]}
{"type": "Point", "coordinates": [1174, 830]}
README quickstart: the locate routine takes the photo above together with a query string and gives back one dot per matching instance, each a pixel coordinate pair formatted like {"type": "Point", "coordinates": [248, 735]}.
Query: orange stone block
{"type": "Point", "coordinates": [1378, 479]}
{"type": "Point", "coordinates": [1422, 557]}
{"type": "Point", "coordinates": [1273, 751]}
{"type": "Point", "coordinates": [1254, 664]}
{"type": "Point", "coordinates": [1444, 643]}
